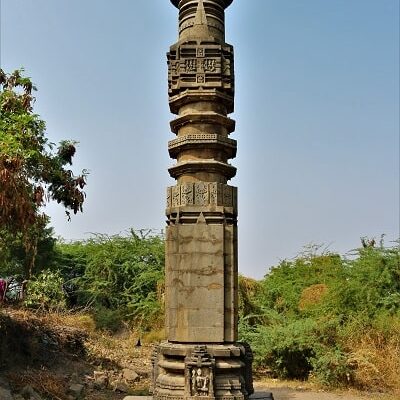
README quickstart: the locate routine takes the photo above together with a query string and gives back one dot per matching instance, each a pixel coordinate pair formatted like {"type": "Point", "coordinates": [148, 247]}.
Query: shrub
{"type": "Point", "coordinates": [108, 320]}
{"type": "Point", "coordinates": [329, 317]}
{"type": "Point", "coordinates": [46, 292]}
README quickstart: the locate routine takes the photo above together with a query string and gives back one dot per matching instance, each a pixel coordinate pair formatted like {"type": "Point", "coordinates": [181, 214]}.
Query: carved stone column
{"type": "Point", "coordinates": [202, 357]}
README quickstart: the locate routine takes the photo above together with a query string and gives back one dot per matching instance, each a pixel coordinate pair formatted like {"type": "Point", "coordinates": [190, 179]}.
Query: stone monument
{"type": "Point", "coordinates": [201, 358]}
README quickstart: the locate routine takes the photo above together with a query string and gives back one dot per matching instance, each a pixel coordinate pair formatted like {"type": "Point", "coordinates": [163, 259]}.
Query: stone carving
{"type": "Point", "coordinates": [201, 138]}
{"type": "Point", "coordinates": [176, 196]}
{"type": "Point", "coordinates": [214, 61]}
{"type": "Point", "coordinates": [200, 384]}
{"type": "Point", "coordinates": [169, 197]}
{"type": "Point", "coordinates": [187, 197]}
{"type": "Point", "coordinates": [209, 65]}
{"type": "Point", "coordinates": [228, 196]}
{"type": "Point", "coordinates": [202, 194]}
{"type": "Point", "coordinates": [190, 65]}
{"type": "Point", "coordinates": [201, 190]}
{"type": "Point", "coordinates": [201, 78]}
{"type": "Point", "coordinates": [199, 373]}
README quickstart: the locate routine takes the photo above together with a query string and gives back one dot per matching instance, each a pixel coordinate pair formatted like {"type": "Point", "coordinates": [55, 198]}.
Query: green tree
{"type": "Point", "coordinates": [32, 171]}
{"type": "Point", "coordinates": [13, 254]}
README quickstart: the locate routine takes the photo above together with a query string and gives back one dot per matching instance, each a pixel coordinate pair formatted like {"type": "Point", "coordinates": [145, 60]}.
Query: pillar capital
{"type": "Point", "coordinates": [180, 3]}
{"type": "Point", "coordinates": [202, 19]}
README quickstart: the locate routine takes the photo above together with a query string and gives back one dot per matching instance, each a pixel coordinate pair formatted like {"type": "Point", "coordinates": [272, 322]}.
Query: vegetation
{"type": "Point", "coordinates": [328, 317]}
{"type": "Point", "coordinates": [31, 171]}
{"type": "Point", "coordinates": [120, 277]}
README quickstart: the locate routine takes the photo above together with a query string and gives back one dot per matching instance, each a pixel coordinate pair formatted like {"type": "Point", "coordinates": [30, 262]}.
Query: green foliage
{"type": "Point", "coordinates": [13, 257]}
{"type": "Point", "coordinates": [31, 172]}
{"type": "Point", "coordinates": [45, 292]}
{"type": "Point", "coordinates": [108, 319]}
{"type": "Point", "coordinates": [117, 273]}
{"type": "Point", "coordinates": [312, 311]}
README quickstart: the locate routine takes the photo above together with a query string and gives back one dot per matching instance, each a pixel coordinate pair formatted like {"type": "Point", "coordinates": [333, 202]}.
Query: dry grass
{"type": "Point", "coordinates": [312, 295]}
{"type": "Point", "coordinates": [154, 336]}
{"type": "Point", "coordinates": [41, 381]}
{"type": "Point", "coordinates": [376, 361]}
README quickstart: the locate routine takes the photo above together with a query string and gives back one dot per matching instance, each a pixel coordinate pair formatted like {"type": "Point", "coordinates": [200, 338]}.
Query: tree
{"type": "Point", "coordinates": [32, 171]}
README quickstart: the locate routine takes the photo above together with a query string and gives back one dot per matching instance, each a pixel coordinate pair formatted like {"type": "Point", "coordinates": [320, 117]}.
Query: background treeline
{"type": "Point", "coordinates": [331, 318]}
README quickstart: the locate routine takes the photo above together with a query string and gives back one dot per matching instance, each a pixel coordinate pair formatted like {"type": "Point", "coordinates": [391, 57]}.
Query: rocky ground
{"type": "Point", "coordinates": [62, 357]}
{"type": "Point", "coordinates": [44, 358]}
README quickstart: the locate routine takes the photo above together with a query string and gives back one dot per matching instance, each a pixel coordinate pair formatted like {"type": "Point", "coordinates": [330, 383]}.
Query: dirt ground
{"type": "Point", "coordinates": [286, 391]}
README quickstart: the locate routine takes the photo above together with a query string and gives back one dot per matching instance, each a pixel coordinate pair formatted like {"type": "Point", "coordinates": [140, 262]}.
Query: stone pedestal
{"type": "Point", "coordinates": [213, 371]}
{"type": "Point", "coordinates": [202, 358]}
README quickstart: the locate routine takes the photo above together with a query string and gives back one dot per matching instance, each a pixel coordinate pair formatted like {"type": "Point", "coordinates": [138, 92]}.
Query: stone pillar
{"type": "Point", "coordinates": [202, 357]}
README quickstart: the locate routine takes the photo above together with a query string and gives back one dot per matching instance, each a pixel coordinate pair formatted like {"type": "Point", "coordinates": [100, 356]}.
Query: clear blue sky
{"type": "Point", "coordinates": [317, 110]}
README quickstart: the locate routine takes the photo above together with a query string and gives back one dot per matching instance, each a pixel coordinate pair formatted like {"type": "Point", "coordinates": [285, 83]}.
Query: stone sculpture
{"type": "Point", "coordinates": [201, 358]}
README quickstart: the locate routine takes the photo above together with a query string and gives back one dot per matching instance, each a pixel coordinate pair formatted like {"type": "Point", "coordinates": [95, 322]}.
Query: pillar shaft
{"type": "Point", "coordinates": [201, 357]}
{"type": "Point", "coordinates": [201, 245]}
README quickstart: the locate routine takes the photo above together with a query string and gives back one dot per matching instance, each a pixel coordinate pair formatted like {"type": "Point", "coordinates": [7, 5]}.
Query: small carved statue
{"type": "Point", "coordinates": [200, 383]}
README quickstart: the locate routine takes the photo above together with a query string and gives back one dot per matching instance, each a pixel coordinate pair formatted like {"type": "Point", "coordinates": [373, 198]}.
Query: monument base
{"type": "Point", "coordinates": [200, 372]}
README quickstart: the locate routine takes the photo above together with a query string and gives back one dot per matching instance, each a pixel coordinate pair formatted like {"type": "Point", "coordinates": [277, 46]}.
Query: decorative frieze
{"type": "Point", "coordinates": [202, 139]}
{"type": "Point", "coordinates": [202, 194]}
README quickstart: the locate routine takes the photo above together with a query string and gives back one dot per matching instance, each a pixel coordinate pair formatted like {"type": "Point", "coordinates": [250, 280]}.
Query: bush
{"type": "Point", "coordinates": [46, 292]}
{"type": "Point", "coordinates": [334, 319]}
{"type": "Point", "coordinates": [108, 320]}
{"type": "Point", "coordinates": [120, 277]}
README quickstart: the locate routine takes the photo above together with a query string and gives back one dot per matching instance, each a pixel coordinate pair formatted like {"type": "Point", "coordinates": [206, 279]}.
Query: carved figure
{"type": "Point", "coordinates": [200, 383]}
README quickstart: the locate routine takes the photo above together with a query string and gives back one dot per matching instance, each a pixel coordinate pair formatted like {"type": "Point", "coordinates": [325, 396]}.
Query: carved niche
{"type": "Point", "coordinates": [199, 374]}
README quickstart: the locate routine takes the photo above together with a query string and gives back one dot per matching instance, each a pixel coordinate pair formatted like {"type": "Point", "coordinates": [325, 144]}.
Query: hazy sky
{"type": "Point", "coordinates": [317, 111]}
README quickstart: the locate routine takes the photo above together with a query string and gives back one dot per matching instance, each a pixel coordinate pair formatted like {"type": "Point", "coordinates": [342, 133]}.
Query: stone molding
{"type": "Point", "coordinates": [192, 95]}
{"type": "Point", "coordinates": [209, 166]}
{"type": "Point", "coordinates": [204, 140]}
{"type": "Point", "coordinates": [208, 117]}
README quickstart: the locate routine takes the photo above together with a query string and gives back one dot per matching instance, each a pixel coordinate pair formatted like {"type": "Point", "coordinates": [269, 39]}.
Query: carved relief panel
{"type": "Point", "coordinates": [199, 374]}
{"type": "Point", "coordinates": [202, 194]}
{"type": "Point", "coordinates": [204, 66]}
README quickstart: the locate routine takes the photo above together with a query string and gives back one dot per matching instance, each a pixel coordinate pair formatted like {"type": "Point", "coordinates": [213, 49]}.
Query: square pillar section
{"type": "Point", "coordinates": [201, 358]}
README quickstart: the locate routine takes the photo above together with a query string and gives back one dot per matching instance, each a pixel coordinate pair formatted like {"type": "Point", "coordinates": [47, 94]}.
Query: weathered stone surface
{"type": "Point", "coordinates": [195, 283]}
{"type": "Point", "coordinates": [130, 375]}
